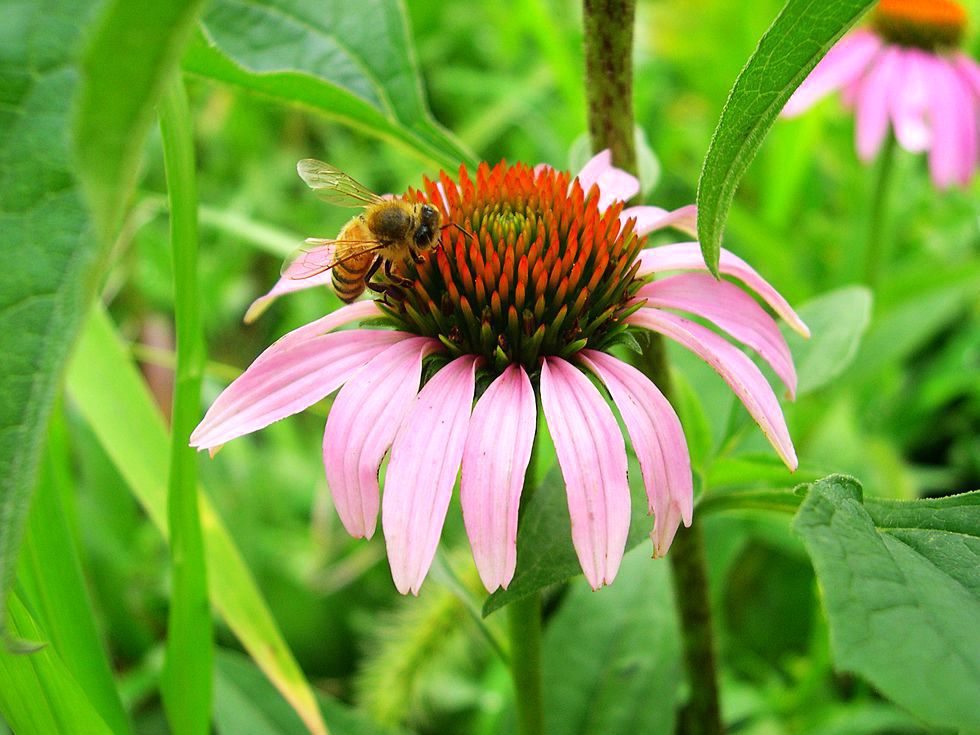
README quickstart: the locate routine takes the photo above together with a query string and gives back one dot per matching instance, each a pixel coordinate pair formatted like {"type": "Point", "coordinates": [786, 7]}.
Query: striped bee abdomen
{"type": "Point", "coordinates": [349, 277]}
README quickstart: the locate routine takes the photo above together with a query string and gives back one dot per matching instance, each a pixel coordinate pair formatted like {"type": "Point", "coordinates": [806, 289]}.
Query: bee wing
{"type": "Point", "coordinates": [318, 256]}
{"type": "Point", "coordinates": [334, 186]}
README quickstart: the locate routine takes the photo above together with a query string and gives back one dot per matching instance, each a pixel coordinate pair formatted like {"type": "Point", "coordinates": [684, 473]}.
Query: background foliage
{"type": "Point", "coordinates": [310, 632]}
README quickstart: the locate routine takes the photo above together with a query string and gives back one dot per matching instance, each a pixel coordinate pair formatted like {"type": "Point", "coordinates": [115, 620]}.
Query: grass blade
{"type": "Point", "coordinates": [129, 427]}
{"type": "Point", "coordinates": [37, 692]}
{"type": "Point", "coordinates": [188, 664]}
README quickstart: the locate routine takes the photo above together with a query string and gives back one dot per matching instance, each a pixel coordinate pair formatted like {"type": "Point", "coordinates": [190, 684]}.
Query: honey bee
{"type": "Point", "coordinates": [389, 231]}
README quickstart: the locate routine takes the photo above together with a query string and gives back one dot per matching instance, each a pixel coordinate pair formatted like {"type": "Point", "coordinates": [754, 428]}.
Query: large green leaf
{"type": "Point", "coordinates": [611, 660]}
{"type": "Point", "coordinates": [124, 418]}
{"type": "Point", "coordinates": [37, 692]}
{"type": "Point", "coordinates": [134, 48]}
{"type": "Point", "coordinates": [358, 66]}
{"type": "Point", "coordinates": [545, 554]}
{"type": "Point", "coordinates": [901, 586]}
{"type": "Point", "coordinates": [52, 254]}
{"type": "Point", "coordinates": [837, 321]}
{"type": "Point", "coordinates": [802, 33]}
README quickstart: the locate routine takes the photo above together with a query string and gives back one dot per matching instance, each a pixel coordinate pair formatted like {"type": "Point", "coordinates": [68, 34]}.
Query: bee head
{"type": "Point", "coordinates": [429, 221]}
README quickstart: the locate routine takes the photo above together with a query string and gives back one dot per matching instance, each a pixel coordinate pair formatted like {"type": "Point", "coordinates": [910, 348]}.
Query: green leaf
{"type": "Point", "coordinates": [37, 692]}
{"type": "Point", "coordinates": [356, 67]}
{"type": "Point", "coordinates": [901, 587]}
{"type": "Point", "coordinates": [50, 254]}
{"type": "Point", "coordinates": [246, 703]}
{"type": "Point", "coordinates": [611, 659]}
{"type": "Point", "coordinates": [116, 100]}
{"type": "Point", "coordinates": [545, 554]}
{"type": "Point", "coordinates": [837, 321]}
{"type": "Point", "coordinates": [124, 418]}
{"type": "Point", "coordinates": [53, 584]}
{"type": "Point", "coordinates": [802, 33]}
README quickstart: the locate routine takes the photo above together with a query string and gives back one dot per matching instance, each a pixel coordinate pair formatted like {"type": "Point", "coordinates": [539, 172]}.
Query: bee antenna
{"type": "Point", "coordinates": [466, 232]}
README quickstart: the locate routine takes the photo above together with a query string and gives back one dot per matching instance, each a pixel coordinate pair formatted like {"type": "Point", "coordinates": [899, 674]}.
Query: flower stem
{"type": "Point", "coordinates": [609, 90]}
{"type": "Point", "coordinates": [609, 78]}
{"type": "Point", "coordinates": [186, 683]}
{"type": "Point", "coordinates": [701, 715]}
{"type": "Point", "coordinates": [876, 247]}
{"type": "Point", "coordinates": [524, 621]}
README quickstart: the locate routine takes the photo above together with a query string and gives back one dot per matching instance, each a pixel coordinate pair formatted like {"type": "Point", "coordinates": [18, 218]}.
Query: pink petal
{"type": "Point", "coordinates": [348, 314]}
{"type": "Point", "coordinates": [422, 470]}
{"type": "Point", "coordinates": [498, 449]}
{"type": "Point", "coordinates": [844, 63]}
{"type": "Point", "coordinates": [731, 309]}
{"type": "Point", "coordinates": [970, 71]}
{"type": "Point", "coordinates": [658, 441]}
{"type": "Point", "coordinates": [872, 103]}
{"type": "Point", "coordinates": [909, 102]}
{"type": "Point", "coordinates": [734, 366]}
{"type": "Point", "coordinates": [361, 427]}
{"type": "Point", "coordinates": [592, 456]}
{"type": "Point", "coordinates": [651, 219]}
{"type": "Point", "coordinates": [614, 183]}
{"type": "Point", "coordinates": [687, 256]}
{"type": "Point", "coordinates": [953, 112]}
{"type": "Point", "coordinates": [285, 383]}
{"type": "Point", "coordinates": [284, 285]}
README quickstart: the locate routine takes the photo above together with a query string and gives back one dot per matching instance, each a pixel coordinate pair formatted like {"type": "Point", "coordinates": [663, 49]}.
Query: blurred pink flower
{"type": "Point", "coordinates": [905, 70]}
{"type": "Point", "coordinates": [529, 306]}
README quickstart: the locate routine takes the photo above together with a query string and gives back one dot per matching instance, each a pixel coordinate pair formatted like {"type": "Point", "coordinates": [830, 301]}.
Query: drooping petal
{"type": "Point", "coordinates": [731, 309]}
{"type": "Point", "coordinates": [734, 366]}
{"type": "Point", "coordinates": [614, 183]}
{"type": "Point", "coordinates": [283, 286]}
{"type": "Point", "coordinates": [592, 456]}
{"type": "Point", "coordinates": [285, 383]}
{"type": "Point", "coordinates": [361, 427]}
{"type": "Point", "coordinates": [422, 470]}
{"type": "Point", "coordinates": [970, 71]}
{"type": "Point", "coordinates": [497, 452]}
{"type": "Point", "coordinates": [687, 256]}
{"type": "Point", "coordinates": [872, 104]}
{"type": "Point", "coordinates": [844, 63]}
{"type": "Point", "coordinates": [651, 219]}
{"type": "Point", "coordinates": [348, 314]}
{"type": "Point", "coordinates": [909, 102]}
{"type": "Point", "coordinates": [658, 441]}
{"type": "Point", "coordinates": [953, 112]}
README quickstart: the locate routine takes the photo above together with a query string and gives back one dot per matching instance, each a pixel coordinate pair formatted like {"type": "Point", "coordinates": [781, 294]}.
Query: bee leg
{"type": "Point", "coordinates": [392, 277]}
{"type": "Point", "coordinates": [417, 256]}
{"type": "Point", "coordinates": [373, 269]}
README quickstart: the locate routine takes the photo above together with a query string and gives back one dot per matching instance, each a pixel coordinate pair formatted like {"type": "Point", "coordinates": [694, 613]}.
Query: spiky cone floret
{"type": "Point", "coordinates": [904, 73]}
{"type": "Point", "coordinates": [446, 373]}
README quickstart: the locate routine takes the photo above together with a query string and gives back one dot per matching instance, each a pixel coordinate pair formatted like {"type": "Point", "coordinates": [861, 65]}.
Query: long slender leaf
{"type": "Point", "coordinates": [51, 577]}
{"type": "Point", "coordinates": [37, 692]}
{"type": "Point", "coordinates": [123, 416]}
{"type": "Point", "coordinates": [357, 67]}
{"type": "Point", "coordinates": [187, 669]}
{"type": "Point", "coordinates": [799, 37]}
{"type": "Point", "coordinates": [117, 98]}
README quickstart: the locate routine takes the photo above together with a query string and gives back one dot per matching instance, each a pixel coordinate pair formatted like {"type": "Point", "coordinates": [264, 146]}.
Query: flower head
{"type": "Point", "coordinates": [905, 70]}
{"type": "Point", "coordinates": [522, 301]}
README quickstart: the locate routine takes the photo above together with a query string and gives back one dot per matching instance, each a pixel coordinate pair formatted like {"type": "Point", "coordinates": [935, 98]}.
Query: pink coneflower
{"type": "Point", "coordinates": [527, 306]}
{"type": "Point", "coordinates": [905, 69]}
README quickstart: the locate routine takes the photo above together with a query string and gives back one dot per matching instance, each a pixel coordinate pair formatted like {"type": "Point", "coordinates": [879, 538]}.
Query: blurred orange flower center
{"type": "Point", "coordinates": [922, 23]}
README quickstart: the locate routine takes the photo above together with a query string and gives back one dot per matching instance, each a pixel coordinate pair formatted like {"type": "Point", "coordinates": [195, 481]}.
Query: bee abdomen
{"type": "Point", "coordinates": [349, 278]}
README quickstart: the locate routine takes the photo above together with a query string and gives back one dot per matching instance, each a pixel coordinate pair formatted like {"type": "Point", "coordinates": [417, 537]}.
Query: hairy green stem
{"type": "Point", "coordinates": [876, 245]}
{"type": "Point", "coordinates": [701, 715]}
{"type": "Point", "coordinates": [524, 622]}
{"type": "Point", "coordinates": [609, 89]}
{"type": "Point", "coordinates": [186, 684]}
{"type": "Point", "coordinates": [609, 77]}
